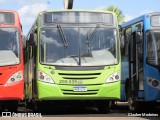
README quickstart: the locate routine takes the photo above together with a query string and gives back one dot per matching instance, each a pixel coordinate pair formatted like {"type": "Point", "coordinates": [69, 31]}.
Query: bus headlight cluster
{"type": "Point", "coordinates": [113, 77]}
{"type": "Point", "coordinates": [18, 76]}
{"type": "Point", "coordinates": [153, 82]}
{"type": "Point", "coordinates": [44, 77]}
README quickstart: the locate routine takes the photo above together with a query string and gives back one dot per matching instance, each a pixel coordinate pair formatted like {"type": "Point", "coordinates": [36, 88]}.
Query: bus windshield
{"type": "Point", "coordinates": [9, 46]}
{"type": "Point", "coordinates": [153, 48]}
{"type": "Point", "coordinates": [73, 46]}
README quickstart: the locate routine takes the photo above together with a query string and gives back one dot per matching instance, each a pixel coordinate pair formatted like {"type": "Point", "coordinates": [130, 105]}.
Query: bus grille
{"type": "Point", "coordinates": [71, 92]}
{"type": "Point", "coordinates": [79, 76]}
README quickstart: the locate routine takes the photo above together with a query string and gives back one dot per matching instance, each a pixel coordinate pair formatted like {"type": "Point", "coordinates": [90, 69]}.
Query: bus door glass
{"type": "Point", "coordinates": [125, 52]}
{"type": "Point", "coordinates": [137, 57]}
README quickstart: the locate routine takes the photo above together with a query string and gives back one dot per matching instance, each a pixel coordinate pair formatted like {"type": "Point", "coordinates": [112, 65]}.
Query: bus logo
{"type": "Point", "coordinates": [6, 114]}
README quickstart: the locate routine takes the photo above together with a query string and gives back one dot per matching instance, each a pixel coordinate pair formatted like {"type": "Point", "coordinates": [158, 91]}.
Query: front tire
{"type": "Point", "coordinates": [133, 105]}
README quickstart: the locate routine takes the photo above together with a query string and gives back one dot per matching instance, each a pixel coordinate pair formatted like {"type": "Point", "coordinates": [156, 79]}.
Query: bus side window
{"type": "Point", "coordinates": [151, 53]}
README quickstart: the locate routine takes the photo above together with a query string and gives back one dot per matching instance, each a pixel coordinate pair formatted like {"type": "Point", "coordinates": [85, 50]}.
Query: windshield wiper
{"type": "Point", "coordinates": [73, 57]}
{"type": "Point", "coordinates": [91, 37]}
{"type": "Point", "coordinates": [62, 35]}
{"type": "Point", "coordinates": [94, 32]}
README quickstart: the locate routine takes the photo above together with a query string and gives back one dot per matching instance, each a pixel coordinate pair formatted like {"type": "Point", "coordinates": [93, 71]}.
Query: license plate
{"type": "Point", "coordinates": [79, 89]}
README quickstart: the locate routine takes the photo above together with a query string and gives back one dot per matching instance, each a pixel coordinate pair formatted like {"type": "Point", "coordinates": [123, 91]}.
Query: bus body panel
{"type": "Point", "coordinates": [94, 81]}
{"type": "Point", "coordinates": [15, 90]}
{"type": "Point", "coordinates": [96, 88]}
{"type": "Point", "coordinates": [149, 93]}
{"type": "Point", "coordinates": [86, 76]}
{"type": "Point", "coordinates": [65, 92]}
{"type": "Point", "coordinates": [12, 91]}
{"type": "Point", "coordinates": [7, 72]}
{"type": "Point", "coordinates": [149, 71]}
{"type": "Point", "coordinates": [153, 73]}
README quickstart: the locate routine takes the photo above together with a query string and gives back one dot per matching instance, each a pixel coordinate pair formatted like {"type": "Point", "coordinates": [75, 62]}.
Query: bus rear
{"type": "Point", "coordinates": [78, 57]}
{"type": "Point", "coordinates": [11, 60]}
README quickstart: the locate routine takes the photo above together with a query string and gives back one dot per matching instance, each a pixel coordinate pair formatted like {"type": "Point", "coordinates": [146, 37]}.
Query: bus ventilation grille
{"type": "Point", "coordinates": [71, 92]}
{"type": "Point", "coordinates": [80, 76]}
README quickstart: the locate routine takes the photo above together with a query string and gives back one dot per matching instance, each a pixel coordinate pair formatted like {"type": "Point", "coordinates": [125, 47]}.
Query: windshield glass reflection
{"type": "Point", "coordinates": [9, 46]}
{"type": "Point", "coordinates": [86, 46]}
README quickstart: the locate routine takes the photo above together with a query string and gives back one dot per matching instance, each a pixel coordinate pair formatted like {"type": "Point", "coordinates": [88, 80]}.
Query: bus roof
{"type": "Point", "coordinates": [78, 10]}
{"type": "Point", "coordinates": [72, 10]}
{"type": "Point", "coordinates": [13, 11]}
{"type": "Point", "coordinates": [140, 18]}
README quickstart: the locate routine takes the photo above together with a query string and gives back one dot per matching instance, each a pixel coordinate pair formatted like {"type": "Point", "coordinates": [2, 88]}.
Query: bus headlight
{"type": "Point", "coordinates": [155, 83]}
{"type": "Point", "coordinates": [18, 76]}
{"type": "Point", "coordinates": [113, 77]}
{"type": "Point", "coordinates": [44, 77]}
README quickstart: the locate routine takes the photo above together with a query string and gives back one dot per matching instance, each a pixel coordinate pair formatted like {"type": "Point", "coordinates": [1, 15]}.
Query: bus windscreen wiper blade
{"type": "Point", "coordinates": [91, 37]}
{"type": "Point", "coordinates": [95, 30]}
{"type": "Point", "coordinates": [62, 35]}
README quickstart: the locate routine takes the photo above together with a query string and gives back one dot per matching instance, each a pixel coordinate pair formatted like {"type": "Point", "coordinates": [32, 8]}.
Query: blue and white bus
{"type": "Point", "coordinates": [140, 50]}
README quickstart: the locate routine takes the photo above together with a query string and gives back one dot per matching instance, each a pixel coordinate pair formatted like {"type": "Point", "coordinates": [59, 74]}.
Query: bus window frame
{"type": "Point", "coordinates": [117, 47]}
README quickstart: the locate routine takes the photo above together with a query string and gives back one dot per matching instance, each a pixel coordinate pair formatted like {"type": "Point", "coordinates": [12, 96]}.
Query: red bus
{"type": "Point", "coordinates": [11, 60]}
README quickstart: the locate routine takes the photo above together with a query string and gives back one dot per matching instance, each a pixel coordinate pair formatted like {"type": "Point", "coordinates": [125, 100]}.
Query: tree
{"type": "Point", "coordinates": [117, 11]}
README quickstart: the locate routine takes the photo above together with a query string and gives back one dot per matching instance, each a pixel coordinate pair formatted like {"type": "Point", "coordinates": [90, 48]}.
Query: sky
{"type": "Point", "coordinates": [28, 9]}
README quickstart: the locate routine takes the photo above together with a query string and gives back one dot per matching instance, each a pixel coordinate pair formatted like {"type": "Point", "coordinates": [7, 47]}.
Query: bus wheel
{"type": "Point", "coordinates": [12, 106]}
{"type": "Point", "coordinates": [132, 104]}
{"type": "Point", "coordinates": [103, 106]}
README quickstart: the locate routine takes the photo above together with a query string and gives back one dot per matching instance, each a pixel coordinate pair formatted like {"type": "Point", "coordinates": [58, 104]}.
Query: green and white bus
{"type": "Point", "coordinates": [73, 55]}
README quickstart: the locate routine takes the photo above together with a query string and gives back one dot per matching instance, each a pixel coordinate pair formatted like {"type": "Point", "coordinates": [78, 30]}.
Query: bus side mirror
{"type": "Point", "coordinates": [32, 39]}
{"type": "Point", "coordinates": [122, 41]}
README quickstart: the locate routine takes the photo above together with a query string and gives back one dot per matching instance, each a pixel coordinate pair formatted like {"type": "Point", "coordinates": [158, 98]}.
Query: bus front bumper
{"type": "Point", "coordinates": [13, 91]}
{"type": "Point", "coordinates": [110, 91]}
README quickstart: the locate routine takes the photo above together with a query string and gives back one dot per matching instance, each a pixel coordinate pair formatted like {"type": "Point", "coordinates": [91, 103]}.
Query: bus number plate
{"type": "Point", "coordinates": [70, 82]}
{"type": "Point", "coordinates": [79, 89]}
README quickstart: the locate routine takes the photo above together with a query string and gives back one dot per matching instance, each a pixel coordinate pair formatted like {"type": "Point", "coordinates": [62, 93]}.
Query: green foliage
{"type": "Point", "coordinates": [117, 11]}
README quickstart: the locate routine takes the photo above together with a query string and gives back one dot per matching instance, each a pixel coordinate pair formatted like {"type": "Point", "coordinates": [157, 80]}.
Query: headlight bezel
{"type": "Point", "coordinates": [114, 77]}
{"type": "Point", "coordinates": [16, 77]}
{"type": "Point", "coordinates": [43, 77]}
